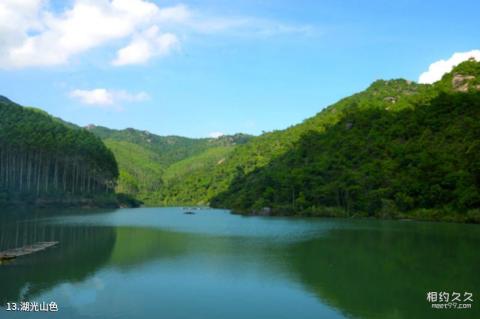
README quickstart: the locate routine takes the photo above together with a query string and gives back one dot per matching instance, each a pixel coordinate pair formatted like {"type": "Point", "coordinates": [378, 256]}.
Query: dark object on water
{"type": "Point", "coordinates": [6, 258]}
{"type": "Point", "coordinates": [189, 213]}
{"type": "Point", "coordinates": [26, 250]}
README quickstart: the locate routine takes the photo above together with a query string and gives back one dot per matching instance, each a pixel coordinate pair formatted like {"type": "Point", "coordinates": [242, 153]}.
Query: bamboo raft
{"type": "Point", "coordinates": [26, 250]}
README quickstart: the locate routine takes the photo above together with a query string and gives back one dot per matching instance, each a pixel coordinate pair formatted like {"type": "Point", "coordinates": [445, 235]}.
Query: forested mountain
{"type": "Point", "coordinates": [149, 164]}
{"type": "Point", "coordinates": [396, 149]}
{"type": "Point", "coordinates": [140, 168]}
{"type": "Point", "coordinates": [200, 186]}
{"type": "Point", "coordinates": [190, 181]}
{"type": "Point", "coordinates": [169, 149]}
{"type": "Point", "coordinates": [42, 158]}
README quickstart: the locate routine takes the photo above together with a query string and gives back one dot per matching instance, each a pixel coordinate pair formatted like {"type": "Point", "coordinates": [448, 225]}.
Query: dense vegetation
{"type": "Point", "coordinates": [151, 166]}
{"type": "Point", "coordinates": [41, 158]}
{"type": "Point", "coordinates": [397, 149]}
{"type": "Point", "coordinates": [200, 186]}
{"type": "Point", "coordinates": [189, 181]}
{"type": "Point", "coordinates": [169, 149]}
{"type": "Point", "coordinates": [140, 171]}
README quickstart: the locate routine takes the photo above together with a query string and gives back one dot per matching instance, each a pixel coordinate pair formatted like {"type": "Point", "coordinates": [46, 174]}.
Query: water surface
{"type": "Point", "coordinates": [161, 263]}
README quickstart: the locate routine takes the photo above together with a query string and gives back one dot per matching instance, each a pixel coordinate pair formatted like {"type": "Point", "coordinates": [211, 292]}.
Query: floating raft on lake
{"type": "Point", "coordinates": [26, 250]}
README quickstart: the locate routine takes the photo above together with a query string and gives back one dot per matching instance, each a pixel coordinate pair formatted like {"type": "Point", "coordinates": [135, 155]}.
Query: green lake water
{"type": "Point", "coordinates": [162, 263]}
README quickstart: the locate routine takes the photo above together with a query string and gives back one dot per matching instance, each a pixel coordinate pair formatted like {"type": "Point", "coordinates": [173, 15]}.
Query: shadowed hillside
{"type": "Point", "coordinates": [419, 159]}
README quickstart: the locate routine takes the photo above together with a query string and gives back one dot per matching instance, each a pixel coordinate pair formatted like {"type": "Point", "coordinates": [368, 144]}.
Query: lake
{"type": "Point", "coordinates": [162, 263]}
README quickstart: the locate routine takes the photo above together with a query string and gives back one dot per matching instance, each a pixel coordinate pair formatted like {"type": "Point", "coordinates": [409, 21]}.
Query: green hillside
{"type": "Point", "coordinates": [260, 151]}
{"type": "Point", "coordinates": [41, 159]}
{"type": "Point", "coordinates": [188, 181]}
{"type": "Point", "coordinates": [169, 149]}
{"type": "Point", "coordinates": [140, 168]}
{"type": "Point", "coordinates": [396, 149]}
{"type": "Point", "coordinates": [210, 157]}
{"type": "Point", "coordinates": [150, 165]}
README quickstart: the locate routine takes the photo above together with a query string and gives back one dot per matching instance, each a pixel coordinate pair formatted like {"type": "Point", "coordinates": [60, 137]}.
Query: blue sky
{"type": "Point", "coordinates": [194, 68]}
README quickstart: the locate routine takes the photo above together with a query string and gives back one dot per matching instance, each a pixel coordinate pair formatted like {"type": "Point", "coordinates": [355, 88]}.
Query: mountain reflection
{"type": "Point", "coordinates": [386, 271]}
{"type": "Point", "coordinates": [359, 269]}
{"type": "Point", "coordinates": [81, 251]}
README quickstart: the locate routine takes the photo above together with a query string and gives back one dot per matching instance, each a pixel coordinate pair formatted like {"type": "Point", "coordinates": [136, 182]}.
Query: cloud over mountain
{"type": "Point", "coordinates": [437, 69]}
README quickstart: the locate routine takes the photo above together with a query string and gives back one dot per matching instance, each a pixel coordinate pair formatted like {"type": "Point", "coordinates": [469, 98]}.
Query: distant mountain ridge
{"type": "Point", "coordinates": [170, 148]}
{"type": "Point", "coordinates": [145, 159]}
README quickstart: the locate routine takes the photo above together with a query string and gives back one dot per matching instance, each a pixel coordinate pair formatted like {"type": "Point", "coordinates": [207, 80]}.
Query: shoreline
{"type": "Point", "coordinates": [93, 202]}
{"type": "Point", "coordinates": [125, 201]}
{"type": "Point", "coordinates": [471, 217]}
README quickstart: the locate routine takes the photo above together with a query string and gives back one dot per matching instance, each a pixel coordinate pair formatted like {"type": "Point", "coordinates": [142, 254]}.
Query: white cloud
{"type": "Point", "coordinates": [437, 69]}
{"type": "Point", "coordinates": [176, 14]}
{"type": "Point", "coordinates": [16, 18]}
{"type": "Point", "coordinates": [34, 35]}
{"type": "Point", "coordinates": [216, 134]}
{"type": "Point", "coordinates": [93, 97]}
{"type": "Point", "coordinates": [145, 46]}
{"type": "Point", "coordinates": [107, 98]}
{"type": "Point", "coordinates": [43, 38]}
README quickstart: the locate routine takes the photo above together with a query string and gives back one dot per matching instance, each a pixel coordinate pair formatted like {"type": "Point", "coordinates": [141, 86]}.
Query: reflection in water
{"type": "Point", "coordinates": [135, 247]}
{"type": "Point", "coordinates": [386, 272]}
{"type": "Point", "coordinates": [80, 252]}
{"type": "Point", "coordinates": [216, 265]}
